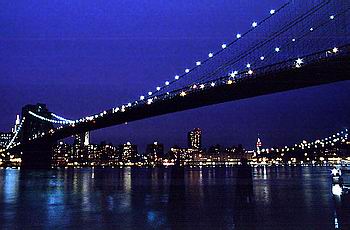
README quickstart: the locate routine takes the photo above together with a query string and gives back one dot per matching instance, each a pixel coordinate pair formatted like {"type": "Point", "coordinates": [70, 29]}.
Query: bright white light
{"type": "Point", "coordinates": [177, 77]}
{"type": "Point", "coordinates": [272, 11]}
{"type": "Point", "coordinates": [311, 29]}
{"type": "Point", "coordinates": [262, 58]}
{"type": "Point", "coordinates": [194, 86]}
{"type": "Point", "coordinates": [334, 172]}
{"type": "Point", "coordinates": [198, 63]}
{"type": "Point", "coordinates": [232, 74]}
{"type": "Point", "coordinates": [210, 55]}
{"type": "Point", "coordinates": [224, 46]}
{"type": "Point", "coordinates": [182, 94]}
{"type": "Point", "coordinates": [150, 93]}
{"type": "Point", "coordinates": [335, 50]}
{"type": "Point", "coordinates": [336, 190]}
{"type": "Point", "coordinates": [248, 65]}
{"type": "Point", "coordinates": [293, 40]}
{"type": "Point", "coordinates": [331, 17]}
{"type": "Point", "coordinates": [187, 70]}
{"type": "Point", "coordinates": [212, 84]}
{"type": "Point", "coordinates": [277, 49]}
{"type": "Point", "coordinates": [238, 36]}
{"type": "Point", "coordinates": [149, 101]}
{"type": "Point", "coordinates": [167, 83]}
{"type": "Point", "coordinates": [299, 61]}
{"type": "Point", "coordinates": [158, 88]}
{"type": "Point", "coordinates": [254, 24]}
{"type": "Point", "coordinates": [201, 86]}
{"type": "Point", "coordinates": [250, 72]}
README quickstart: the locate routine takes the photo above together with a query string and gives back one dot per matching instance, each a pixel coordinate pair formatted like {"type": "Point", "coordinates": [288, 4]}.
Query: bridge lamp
{"type": "Point", "coordinates": [331, 17]}
{"type": "Point", "coordinates": [158, 88]}
{"type": "Point", "coordinates": [149, 101]}
{"type": "Point", "coordinates": [248, 65]}
{"type": "Point", "coordinates": [177, 77]}
{"type": "Point", "coordinates": [254, 24]}
{"type": "Point", "coordinates": [233, 74]}
{"type": "Point", "coordinates": [129, 104]}
{"type": "Point", "coordinates": [277, 49]}
{"type": "Point", "coordinates": [150, 93]}
{"type": "Point", "coordinates": [298, 62]}
{"type": "Point", "coordinates": [210, 55]}
{"type": "Point", "coordinates": [311, 29]}
{"type": "Point", "coordinates": [187, 70]}
{"type": "Point", "coordinates": [272, 11]}
{"type": "Point", "coordinates": [238, 36]}
{"type": "Point", "coordinates": [194, 86]}
{"type": "Point", "coordinates": [212, 84]}
{"type": "Point", "coordinates": [198, 63]}
{"type": "Point", "coordinates": [262, 58]}
{"type": "Point", "coordinates": [201, 86]}
{"type": "Point", "coordinates": [167, 83]}
{"type": "Point", "coordinates": [293, 40]}
{"type": "Point", "coordinates": [335, 50]}
{"type": "Point", "coordinates": [224, 46]}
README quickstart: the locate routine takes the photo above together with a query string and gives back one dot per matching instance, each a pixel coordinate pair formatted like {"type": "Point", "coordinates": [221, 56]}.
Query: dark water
{"type": "Point", "coordinates": [198, 198]}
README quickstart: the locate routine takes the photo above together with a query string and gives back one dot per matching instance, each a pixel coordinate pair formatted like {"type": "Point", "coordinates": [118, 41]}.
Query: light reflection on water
{"type": "Point", "coordinates": [141, 198]}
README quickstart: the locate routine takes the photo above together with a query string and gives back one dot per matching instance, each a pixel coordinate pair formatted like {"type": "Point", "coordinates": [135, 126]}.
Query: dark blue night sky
{"type": "Point", "coordinates": [82, 57]}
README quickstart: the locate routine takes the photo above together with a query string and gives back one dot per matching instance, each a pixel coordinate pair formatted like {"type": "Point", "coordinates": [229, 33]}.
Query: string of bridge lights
{"type": "Point", "coordinates": [276, 34]}
{"type": "Point", "coordinates": [277, 49]}
{"type": "Point", "coordinates": [297, 63]}
{"type": "Point", "coordinates": [341, 137]}
{"type": "Point", "coordinates": [211, 55]}
{"type": "Point", "coordinates": [62, 118]}
{"type": "Point", "coordinates": [331, 140]}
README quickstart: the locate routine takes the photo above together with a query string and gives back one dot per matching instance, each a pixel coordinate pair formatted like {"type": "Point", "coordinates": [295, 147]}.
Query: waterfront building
{"type": "Point", "coordinates": [5, 138]}
{"type": "Point", "coordinates": [194, 139]}
{"type": "Point", "coordinates": [127, 152]}
{"type": "Point", "coordinates": [155, 152]}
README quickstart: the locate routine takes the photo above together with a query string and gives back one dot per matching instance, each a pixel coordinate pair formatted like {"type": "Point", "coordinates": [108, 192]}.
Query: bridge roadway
{"type": "Point", "coordinates": [323, 71]}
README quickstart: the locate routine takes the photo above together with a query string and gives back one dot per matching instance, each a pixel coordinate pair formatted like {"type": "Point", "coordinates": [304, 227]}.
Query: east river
{"type": "Point", "coordinates": [166, 198]}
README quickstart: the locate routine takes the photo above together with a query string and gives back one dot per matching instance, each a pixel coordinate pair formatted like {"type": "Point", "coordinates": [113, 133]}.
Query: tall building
{"type": "Point", "coordinates": [194, 138]}
{"type": "Point", "coordinates": [155, 151]}
{"type": "Point", "coordinates": [5, 138]}
{"type": "Point", "coordinates": [17, 123]}
{"type": "Point", "coordinates": [86, 138]}
{"type": "Point", "coordinates": [60, 155]}
{"type": "Point", "coordinates": [127, 152]}
{"type": "Point", "coordinates": [258, 145]}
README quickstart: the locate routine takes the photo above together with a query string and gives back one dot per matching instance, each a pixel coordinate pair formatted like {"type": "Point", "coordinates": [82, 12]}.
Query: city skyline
{"type": "Point", "coordinates": [106, 56]}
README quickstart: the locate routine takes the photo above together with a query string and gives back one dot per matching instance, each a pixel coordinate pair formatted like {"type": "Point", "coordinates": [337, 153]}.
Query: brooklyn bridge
{"type": "Point", "coordinates": [305, 45]}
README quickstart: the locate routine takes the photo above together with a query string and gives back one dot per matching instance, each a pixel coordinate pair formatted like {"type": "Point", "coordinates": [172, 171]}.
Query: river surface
{"type": "Point", "coordinates": [165, 198]}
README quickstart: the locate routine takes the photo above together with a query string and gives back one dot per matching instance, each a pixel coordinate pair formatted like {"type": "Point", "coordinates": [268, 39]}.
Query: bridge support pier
{"type": "Point", "coordinates": [37, 156]}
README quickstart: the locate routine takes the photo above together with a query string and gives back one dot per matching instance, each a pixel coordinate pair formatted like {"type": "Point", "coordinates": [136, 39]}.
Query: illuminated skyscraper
{"type": "Point", "coordinates": [258, 145]}
{"type": "Point", "coordinates": [127, 152]}
{"type": "Point", "coordinates": [155, 150]}
{"type": "Point", "coordinates": [194, 138]}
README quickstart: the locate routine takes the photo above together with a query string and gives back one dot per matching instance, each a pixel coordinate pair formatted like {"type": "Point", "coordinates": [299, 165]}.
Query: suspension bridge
{"type": "Point", "coordinates": [299, 44]}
